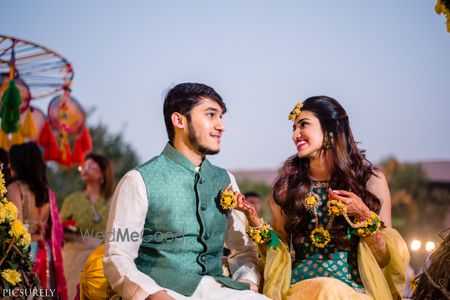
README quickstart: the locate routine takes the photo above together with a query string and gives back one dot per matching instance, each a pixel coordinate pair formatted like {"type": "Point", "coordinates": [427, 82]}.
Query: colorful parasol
{"type": "Point", "coordinates": [44, 71]}
{"type": "Point", "coordinates": [30, 71]}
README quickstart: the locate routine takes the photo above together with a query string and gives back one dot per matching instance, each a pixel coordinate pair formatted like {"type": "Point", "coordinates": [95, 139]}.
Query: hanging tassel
{"type": "Point", "coordinates": [48, 141]}
{"type": "Point", "coordinates": [83, 144]}
{"type": "Point", "coordinates": [45, 135]}
{"type": "Point", "coordinates": [78, 154]}
{"type": "Point", "coordinates": [4, 140]}
{"type": "Point", "coordinates": [28, 128]}
{"type": "Point", "coordinates": [9, 112]}
{"type": "Point", "coordinates": [52, 151]}
{"type": "Point", "coordinates": [65, 157]}
{"type": "Point", "coordinates": [17, 138]}
{"type": "Point", "coordinates": [86, 140]}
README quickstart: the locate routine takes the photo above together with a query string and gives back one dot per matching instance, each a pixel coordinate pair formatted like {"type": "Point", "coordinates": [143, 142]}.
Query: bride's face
{"type": "Point", "coordinates": [308, 135]}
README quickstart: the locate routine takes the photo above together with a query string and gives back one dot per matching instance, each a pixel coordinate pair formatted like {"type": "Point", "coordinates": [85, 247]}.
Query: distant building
{"type": "Point", "coordinates": [438, 173]}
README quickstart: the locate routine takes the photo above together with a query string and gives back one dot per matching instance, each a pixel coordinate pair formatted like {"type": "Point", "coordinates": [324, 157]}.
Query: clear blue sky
{"type": "Point", "coordinates": [387, 62]}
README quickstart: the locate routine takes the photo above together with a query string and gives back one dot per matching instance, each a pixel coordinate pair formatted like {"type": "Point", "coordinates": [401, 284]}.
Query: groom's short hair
{"type": "Point", "coordinates": [183, 97]}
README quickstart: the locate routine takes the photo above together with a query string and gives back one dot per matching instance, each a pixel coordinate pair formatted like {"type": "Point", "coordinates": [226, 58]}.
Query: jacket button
{"type": "Point", "coordinates": [203, 207]}
{"type": "Point", "coordinates": [202, 180]}
{"type": "Point", "coordinates": [207, 236]}
{"type": "Point", "coordinates": [203, 258]}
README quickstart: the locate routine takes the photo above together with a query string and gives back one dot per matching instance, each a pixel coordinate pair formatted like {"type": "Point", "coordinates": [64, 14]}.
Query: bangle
{"type": "Point", "coordinates": [261, 234]}
{"type": "Point", "coordinates": [369, 226]}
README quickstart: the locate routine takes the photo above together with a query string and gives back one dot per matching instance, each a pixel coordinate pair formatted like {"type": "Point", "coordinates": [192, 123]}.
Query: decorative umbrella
{"type": "Point", "coordinates": [30, 71]}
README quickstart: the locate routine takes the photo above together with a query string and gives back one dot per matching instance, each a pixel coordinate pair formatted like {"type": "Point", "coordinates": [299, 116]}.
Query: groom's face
{"type": "Point", "coordinates": [206, 126]}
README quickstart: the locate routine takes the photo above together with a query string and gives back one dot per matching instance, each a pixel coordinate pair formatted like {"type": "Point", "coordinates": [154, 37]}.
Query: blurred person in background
{"type": "Point", "coordinates": [254, 199]}
{"type": "Point", "coordinates": [434, 280]}
{"type": "Point", "coordinates": [37, 209]}
{"type": "Point", "coordinates": [4, 163]}
{"type": "Point", "coordinates": [86, 213]}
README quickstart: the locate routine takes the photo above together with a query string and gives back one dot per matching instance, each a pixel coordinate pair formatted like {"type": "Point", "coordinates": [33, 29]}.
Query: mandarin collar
{"type": "Point", "coordinates": [178, 158]}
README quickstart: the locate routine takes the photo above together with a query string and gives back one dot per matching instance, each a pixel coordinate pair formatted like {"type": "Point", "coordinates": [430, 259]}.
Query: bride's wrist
{"type": "Point", "coordinates": [253, 219]}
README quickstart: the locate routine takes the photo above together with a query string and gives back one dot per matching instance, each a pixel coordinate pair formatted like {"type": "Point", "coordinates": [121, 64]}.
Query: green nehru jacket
{"type": "Point", "coordinates": [185, 227]}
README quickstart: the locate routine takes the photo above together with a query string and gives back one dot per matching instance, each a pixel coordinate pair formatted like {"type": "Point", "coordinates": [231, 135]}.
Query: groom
{"type": "Point", "coordinates": [173, 201]}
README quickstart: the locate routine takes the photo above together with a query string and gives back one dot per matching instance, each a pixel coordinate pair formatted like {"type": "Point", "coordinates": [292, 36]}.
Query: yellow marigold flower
{"type": "Point", "coordinates": [257, 238]}
{"type": "Point", "coordinates": [311, 200]}
{"type": "Point", "coordinates": [10, 211]}
{"type": "Point", "coordinates": [296, 111]}
{"type": "Point", "coordinates": [228, 200]}
{"type": "Point", "coordinates": [12, 276]}
{"type": "Point", "coordinates": [17, 229]}
{"type": "Point", "coordinates": [335, 210]}
{"type": "Point", "coordinates": [2, 213]}
{"type": "Point", "coordinates": [438, 7]}
{"type": "Point", "coordinates": [2, 185]}
{"type": "Point", "coordinates": [25, 240]}
{"type": "Point", "coordinates": [320, 237]}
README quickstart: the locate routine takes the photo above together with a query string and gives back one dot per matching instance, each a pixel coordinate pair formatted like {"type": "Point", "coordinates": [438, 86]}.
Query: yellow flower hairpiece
{"type": "Point", "coordinates": [296, 111]}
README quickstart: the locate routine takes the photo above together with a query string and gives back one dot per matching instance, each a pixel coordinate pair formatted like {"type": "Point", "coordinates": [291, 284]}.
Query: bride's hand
{"type": "Point", "coordinates": [355, 206]}
{"type": "Point", "coordinates": [248, 209]}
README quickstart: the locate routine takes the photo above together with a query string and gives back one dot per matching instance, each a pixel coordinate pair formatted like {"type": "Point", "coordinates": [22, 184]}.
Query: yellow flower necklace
{"type": "Point", "coordinates": [321, 236]}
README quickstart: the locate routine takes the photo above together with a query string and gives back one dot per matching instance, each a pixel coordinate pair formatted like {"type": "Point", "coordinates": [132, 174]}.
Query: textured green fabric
{"type": "Point", "coordinates": [312, 262]}
{"type": "Point", "coordinates": [77, 206]}
{"type": "Point", "coordinates": [185, 226]}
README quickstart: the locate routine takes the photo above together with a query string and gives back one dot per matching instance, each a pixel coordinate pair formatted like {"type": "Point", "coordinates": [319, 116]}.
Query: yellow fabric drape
{"type": "Point", "coordinates": [389, 282]}
{"type": "Point", "coordinates": [277, 272]}
{"type": "Point", "coordinates": [324, 288]}
{"type": "Point", "coordinates": [380, 284]}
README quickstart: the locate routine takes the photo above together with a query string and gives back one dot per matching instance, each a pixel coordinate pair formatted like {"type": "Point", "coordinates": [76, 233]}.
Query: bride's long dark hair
{"type": "Point", "coordinates": [350, 171]}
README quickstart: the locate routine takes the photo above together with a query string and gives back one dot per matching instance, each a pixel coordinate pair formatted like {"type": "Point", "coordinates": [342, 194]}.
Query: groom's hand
{"type": "Point", "coordinates": [253, 286]}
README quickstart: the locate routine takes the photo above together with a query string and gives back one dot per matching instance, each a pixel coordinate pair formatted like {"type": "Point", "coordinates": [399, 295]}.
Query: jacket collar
{"type": "Point", "coordinates": [178, 158]}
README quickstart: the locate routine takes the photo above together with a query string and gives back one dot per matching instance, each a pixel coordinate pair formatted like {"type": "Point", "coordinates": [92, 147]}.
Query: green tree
{"type": "Point", "coordinates": [417, 208]}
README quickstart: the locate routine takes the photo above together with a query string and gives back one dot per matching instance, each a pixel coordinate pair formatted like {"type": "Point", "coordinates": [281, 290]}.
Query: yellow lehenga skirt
{"type": "Point", "coordinates": [379, 284]}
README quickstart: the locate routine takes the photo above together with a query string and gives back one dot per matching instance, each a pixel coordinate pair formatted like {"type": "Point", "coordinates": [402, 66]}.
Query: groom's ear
{"type": "Point", "coordinates": [178, 120]}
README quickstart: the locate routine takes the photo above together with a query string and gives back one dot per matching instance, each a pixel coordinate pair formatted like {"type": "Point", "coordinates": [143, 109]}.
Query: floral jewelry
{"type": "Point", "coordinates": [228, 200]}
{"type": "Point", "coordinates": [320, 236]}
{"type": "Point", "coordinates": [362, 228]}
{"type": "Point", "coordinates": [296, 111]}
{"type": "Point", "coordinates": [261, 234]}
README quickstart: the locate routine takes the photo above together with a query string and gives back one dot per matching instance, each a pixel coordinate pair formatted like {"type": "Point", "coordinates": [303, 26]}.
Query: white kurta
{"type": "Point", "coordinates": [129, 210]}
